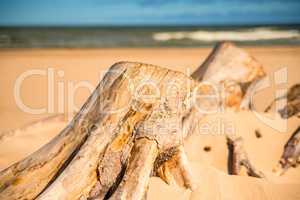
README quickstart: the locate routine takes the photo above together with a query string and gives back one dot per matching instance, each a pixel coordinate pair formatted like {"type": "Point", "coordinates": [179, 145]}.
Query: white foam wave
{"type": "Point", "coordinates": [245, 35]}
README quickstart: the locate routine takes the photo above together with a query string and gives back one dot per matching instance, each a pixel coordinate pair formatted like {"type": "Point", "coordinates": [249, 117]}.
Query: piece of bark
{"type": "Point", "coordinates": [293, 102]}
{"type": "Point", "coordinates": [291, 154]}
{"type": "Point", "coordinates": [292, 108]}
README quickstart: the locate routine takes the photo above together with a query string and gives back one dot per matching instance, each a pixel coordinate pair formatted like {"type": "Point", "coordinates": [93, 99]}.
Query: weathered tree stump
{"type": "Point", "coordinates": [67, 167]}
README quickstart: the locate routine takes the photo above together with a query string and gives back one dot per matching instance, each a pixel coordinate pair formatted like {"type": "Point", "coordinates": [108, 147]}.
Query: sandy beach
{"type": "Point", "coordinates": [73, 73]}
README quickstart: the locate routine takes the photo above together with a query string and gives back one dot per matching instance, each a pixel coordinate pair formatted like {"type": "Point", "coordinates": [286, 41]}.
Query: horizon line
{"type": "Point", "coordinates": [142, 25]}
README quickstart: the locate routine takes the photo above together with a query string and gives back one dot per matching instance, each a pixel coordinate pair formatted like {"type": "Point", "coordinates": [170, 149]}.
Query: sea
{"type": "Point", "coordinates": [149, 36]}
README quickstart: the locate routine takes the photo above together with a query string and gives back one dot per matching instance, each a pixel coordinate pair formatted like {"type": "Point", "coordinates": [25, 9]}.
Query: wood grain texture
{"type": "Point", "coordinates": [73, 156]}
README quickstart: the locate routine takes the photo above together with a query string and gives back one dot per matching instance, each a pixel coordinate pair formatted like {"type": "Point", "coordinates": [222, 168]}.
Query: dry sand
{"type": "Point", "coordinates": [209, 168]}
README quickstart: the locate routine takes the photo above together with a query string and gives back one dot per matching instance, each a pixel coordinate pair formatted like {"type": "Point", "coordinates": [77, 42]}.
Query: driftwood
{"type": "Point", "coordinates": [107, 154]}
{"type": "Point", "coordinates": [66, 168]}
{"type": "Point", "coordinates": [232, 69]}
{"type": "Point", "coordinates": [291, 153]}
{"type": "Point", "coordinates": [238, 73]}
{"type": "Point", "coordinates": [235, 74]}
{"type": "Point", "coordinates": [293, 102]}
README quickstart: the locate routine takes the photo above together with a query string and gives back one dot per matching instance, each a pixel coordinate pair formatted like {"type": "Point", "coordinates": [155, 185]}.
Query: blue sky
{"type": "Point", "coordinates": [148, 12]}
